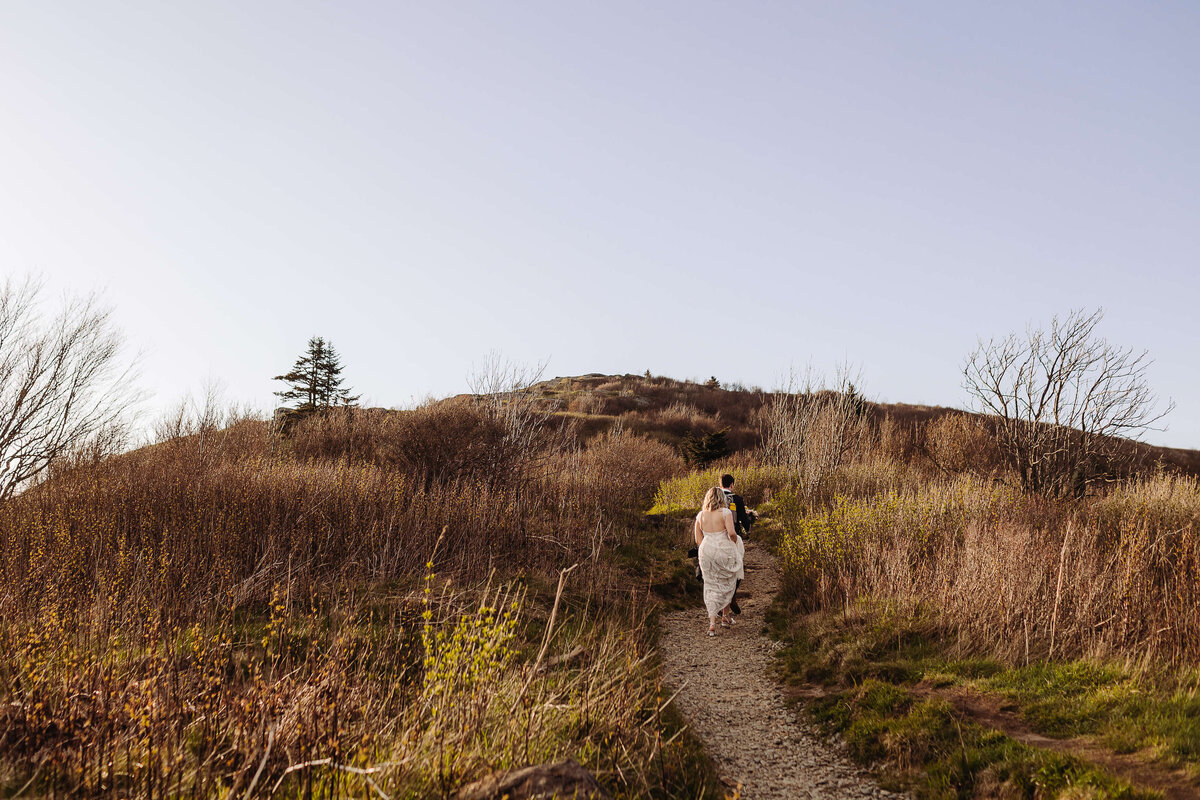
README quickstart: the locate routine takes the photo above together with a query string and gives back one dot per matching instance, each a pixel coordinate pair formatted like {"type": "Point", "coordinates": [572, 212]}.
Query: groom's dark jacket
{"type": "Point", "coordinates": [741, 520]}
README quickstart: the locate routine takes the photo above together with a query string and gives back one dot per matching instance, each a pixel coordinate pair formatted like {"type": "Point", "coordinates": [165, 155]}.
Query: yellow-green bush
{"type": "Point", "coordinates": [685, 493]}
{"type": "Point", "coordinates": [826, 554]}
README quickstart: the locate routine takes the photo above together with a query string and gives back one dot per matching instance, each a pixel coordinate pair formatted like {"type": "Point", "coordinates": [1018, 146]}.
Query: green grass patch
{"type": "Point", "coordinates": [884, 667]}
{"type": "Point", "coordinates": [657, 559]}
{"type": "Point", "coordinates": [923, 746]}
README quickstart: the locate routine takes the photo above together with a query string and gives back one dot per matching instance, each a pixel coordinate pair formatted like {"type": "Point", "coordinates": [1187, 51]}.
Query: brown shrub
{"type": "Point", "coordinates": [610, 481]}
{"type": "Point", "coordinates": [358, 434]}
{"type": "Point", "coordinates": [898, 440]}
{"type": "Point", "coordinates": [615, 405]}
{"type": "Point", "coordinates": [625, 470]}
{"type": "Point", "coordinates": [958, 443]}
{"type": "Point", "coordinates": [681, 419]}
{"type": "Point", "coordinates": [586, 403]}
{"type": "Point", "coordinates": [439, 443]}
{"type": "Point", "coordinates": [448, 442]}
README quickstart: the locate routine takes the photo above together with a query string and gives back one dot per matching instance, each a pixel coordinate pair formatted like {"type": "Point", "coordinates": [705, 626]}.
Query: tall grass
{"type": "Point", "coordinates": [928, 520]}
{"type": "Point", "coordinates": [232, 613]}
{"type": "Point", "coordinates": [1018, 577]}
{"type": "Point", "coordinates": [405, 695]}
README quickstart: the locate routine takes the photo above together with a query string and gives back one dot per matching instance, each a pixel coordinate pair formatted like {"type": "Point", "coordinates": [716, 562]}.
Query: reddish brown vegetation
{"type": "Point", "coordinates": [229, 603]}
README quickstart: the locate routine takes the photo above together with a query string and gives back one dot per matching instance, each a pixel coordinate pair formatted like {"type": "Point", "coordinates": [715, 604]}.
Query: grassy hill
{"type": "Point", "coordinates": [668, 410]}
{"type": "Point", "coordinates": [368, 601]}
{"type": "Point", "coordinates": [407, 600]}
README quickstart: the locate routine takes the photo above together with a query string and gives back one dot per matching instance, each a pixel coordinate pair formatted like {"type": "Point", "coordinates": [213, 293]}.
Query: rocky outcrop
{"type": "Point", "coordinates": [566, 780]}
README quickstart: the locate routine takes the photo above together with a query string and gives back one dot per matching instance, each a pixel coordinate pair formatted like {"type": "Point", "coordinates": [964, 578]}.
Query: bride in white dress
{"type": "Point", "coordinates": [722, 556]}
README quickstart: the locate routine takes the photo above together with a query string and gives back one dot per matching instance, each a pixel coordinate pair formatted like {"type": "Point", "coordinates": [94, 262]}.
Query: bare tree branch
{"type": "Point", "coordinates": [504, 392]}
{"type": "Point", "coordinates": [62, 383]}
{"type": "Point", "coordinates": [1067, 403]}
{"type": "Point", "coordinates": [810, 426]}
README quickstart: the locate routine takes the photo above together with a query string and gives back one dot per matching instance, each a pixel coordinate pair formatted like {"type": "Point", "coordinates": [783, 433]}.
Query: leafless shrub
{"type": "Point", "coordinates": [1067, 403]}
{"type": "Point", "coordinates": [356, 434]}
{"type": "Point", "coordinates": [625, 469]}
{"type": "Point", "coordinates": [810, 428]}
{"type": "Point", "coordinates": [496, 436]}
{"type": "Point", "coordinates": [446, 442]}
{"type": "Point", "coordinates": [439, 442]}
{"type": "Point", "coordinates": [504, 392]}
{"type": "Point", "coordinates": [195, 434]}
{"type": "Point", "coordinates": [62, 383]}
{"type": "Point", "coordinates": [681, 418]}
{"type": "Point", "coordinates": [897, 439]}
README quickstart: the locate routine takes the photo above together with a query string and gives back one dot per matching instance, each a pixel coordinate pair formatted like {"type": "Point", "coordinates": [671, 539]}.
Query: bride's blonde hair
{"type": "Point", "coordinates": [715, 499]}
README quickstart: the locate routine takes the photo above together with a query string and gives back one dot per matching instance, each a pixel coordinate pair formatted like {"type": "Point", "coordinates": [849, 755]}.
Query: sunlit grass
{"type": "Point", "coordinates": [221, 616]}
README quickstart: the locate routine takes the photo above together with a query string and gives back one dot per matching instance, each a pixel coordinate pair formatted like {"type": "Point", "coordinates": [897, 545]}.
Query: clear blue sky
{"type": "Point", "coordinates": [692, 188]}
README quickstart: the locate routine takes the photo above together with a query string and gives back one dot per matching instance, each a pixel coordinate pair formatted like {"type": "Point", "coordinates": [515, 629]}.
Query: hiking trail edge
{"type": "Point", "coordinates": [737, 708]}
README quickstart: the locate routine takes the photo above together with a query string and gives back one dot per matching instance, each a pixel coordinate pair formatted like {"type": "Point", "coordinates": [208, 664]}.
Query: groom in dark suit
{"type": "Point", "coordinates": [743, 518]}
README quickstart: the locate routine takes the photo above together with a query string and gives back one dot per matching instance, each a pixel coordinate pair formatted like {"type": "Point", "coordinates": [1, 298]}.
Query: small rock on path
{"type": "Point", "coordinates": [737, 709]}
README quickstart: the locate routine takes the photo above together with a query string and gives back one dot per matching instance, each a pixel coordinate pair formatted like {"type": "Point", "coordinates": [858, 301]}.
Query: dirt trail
{"type": "Point", "coordinates": [991, 711]}
{"type": "Point", "coordinates": [737, 709]}
{"type": "Point", "coordinates": [757, 742]}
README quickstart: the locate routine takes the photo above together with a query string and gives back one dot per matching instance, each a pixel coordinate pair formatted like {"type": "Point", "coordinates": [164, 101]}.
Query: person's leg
{"type": "Point", "coordinates": [733, 604]}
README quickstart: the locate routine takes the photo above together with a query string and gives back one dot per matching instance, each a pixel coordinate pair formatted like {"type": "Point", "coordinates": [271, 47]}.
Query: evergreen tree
{"type": "Point", "coordinates": [855, 402]}
{"type": "Point", "coordinates": [703, 449]}
{"type": "Point", "coordinates": [316, 379]}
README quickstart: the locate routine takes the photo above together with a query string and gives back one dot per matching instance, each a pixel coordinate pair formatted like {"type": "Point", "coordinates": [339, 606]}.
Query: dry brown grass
{"type": "Point", "coordinates": [1015, 576]}
{"type": "Point", "coordinates": [960, 443]}
{"type": "Point", "coordinates": [659, 407]}
{"type": "Point", "coordinates": [226, 611]}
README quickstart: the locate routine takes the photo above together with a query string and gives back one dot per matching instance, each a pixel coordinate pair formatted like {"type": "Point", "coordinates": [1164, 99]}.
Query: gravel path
{"type": "Point", "coordinates": [749, 732]}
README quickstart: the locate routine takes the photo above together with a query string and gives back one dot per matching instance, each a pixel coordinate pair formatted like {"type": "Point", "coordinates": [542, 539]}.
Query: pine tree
{"type": "Point", "coordinates": [855, 402]}
{"type": "Point", "coordinates": [315, 380]}
{"type": "Point", "coordinates": [701, 449]}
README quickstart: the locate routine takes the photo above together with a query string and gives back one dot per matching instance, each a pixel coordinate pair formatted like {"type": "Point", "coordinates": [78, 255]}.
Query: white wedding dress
{"type": "Point", "coordinates": [723, 565]}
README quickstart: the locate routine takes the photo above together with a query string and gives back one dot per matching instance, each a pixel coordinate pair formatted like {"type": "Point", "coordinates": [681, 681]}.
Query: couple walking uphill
{"type": "Point", "coordinates": [721, 551]}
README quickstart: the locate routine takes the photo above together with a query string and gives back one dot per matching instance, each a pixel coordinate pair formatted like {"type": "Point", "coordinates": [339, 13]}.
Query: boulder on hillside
{"type": "Point", "coordinates": [566, 780]}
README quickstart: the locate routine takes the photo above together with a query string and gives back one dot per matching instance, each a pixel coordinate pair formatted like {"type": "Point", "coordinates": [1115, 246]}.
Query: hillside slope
{"type": "Point", "coordinates": [670, 410]}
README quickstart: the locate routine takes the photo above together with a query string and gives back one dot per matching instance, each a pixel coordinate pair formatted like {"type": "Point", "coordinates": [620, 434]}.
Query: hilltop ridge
{"type": "Point", "coordinates": [669, 409]}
